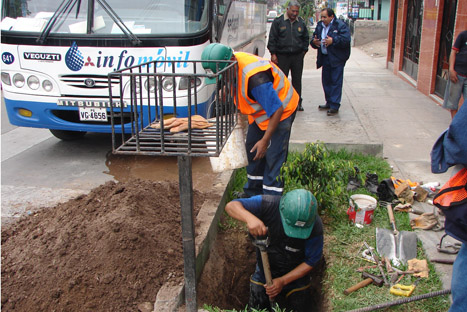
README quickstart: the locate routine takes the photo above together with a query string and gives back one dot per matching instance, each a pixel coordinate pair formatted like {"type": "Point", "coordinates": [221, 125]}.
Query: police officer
{"type": "Point", "coordinates": [288, 44]}
{"type": "Point", "coordinates": [295, 232]}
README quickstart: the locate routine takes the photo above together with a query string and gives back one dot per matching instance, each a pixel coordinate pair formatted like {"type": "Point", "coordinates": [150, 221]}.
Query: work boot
{"type": "Point", "coordinates": [326, 106]}
{"type": "Point", "coordinates": [300, 107]}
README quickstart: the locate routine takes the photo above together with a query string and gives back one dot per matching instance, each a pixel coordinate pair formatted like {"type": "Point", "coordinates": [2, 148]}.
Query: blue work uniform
{"type": "Point", "coordinates": [263, 173]}
{"type": "Point", "coordinates": [285, 254]}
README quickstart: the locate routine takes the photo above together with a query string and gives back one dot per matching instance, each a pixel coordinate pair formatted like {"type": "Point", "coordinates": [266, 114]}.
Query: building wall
{"type": "Point", "coordinates": [385, 7]}
{"type": "Point", "coordinates": [429, 44]}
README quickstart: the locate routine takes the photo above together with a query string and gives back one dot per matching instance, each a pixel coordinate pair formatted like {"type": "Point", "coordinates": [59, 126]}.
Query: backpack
{"type": "Point", "coordinates": [452, 200]}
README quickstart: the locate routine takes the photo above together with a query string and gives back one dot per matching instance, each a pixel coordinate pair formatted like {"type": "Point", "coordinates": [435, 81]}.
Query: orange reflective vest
{"type": "Point", "coordinates": [248, 65]}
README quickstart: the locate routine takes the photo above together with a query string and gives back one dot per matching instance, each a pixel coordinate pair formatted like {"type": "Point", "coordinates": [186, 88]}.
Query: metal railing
{"type": "Point", "coordinates": [141, 93]}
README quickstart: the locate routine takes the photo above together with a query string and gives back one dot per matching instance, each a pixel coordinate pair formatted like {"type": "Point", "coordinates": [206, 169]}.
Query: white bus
{"type": "Point", "coordinates": [56, 55]}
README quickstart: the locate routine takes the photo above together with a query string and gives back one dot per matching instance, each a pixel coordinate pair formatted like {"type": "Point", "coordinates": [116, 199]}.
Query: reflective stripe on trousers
{"type": "Point", "coordinates": [262, 174]}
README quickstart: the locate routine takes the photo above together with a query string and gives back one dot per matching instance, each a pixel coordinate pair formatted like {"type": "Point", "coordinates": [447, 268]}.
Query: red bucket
{"type": "Point", "coordinates": [361, 208]}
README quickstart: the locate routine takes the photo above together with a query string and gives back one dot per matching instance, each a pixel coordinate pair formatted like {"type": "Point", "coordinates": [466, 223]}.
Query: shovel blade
{"type": "Point", "coordinates": [398, 248]}
{"type": "Point", "coordinates": [385, 243]}
{"type": "Point", "coordinates": [407, 246]}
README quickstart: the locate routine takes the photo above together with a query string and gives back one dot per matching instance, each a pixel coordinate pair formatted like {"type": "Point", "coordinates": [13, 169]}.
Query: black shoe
{"type": "Point", "coordinates": [300, 108]}
{"type": "Point", "coordinates": [371, 182]}
{"type": "Point", "coordinates": [332, 112]}
{"type": "Point", "coordinates": [324, 106]}
{"type": "Point", "coordinates": [237, 194]}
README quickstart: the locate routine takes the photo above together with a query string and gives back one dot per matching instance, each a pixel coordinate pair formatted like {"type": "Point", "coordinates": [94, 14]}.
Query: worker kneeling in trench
{"type": "Point", "coordinates": [289, 236]}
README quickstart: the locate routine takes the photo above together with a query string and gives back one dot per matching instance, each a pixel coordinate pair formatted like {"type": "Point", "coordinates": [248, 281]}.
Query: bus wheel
{"type": "Point", "coordinates": [66, 135]}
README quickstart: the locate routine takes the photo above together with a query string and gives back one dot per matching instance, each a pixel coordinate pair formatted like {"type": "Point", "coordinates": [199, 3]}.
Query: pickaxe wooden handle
{"type": "Point", "coordinates": [267, 272]}
{"type": "Point", "coordinates": [355, 287]}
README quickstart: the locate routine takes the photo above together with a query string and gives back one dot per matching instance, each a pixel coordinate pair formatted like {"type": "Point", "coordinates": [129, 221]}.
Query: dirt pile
{"type": "Point", "coordinates": [110, 250]}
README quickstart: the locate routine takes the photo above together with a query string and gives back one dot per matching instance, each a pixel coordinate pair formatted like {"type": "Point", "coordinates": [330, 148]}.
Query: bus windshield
{"type": "Point", "coordinates": [145, 17]}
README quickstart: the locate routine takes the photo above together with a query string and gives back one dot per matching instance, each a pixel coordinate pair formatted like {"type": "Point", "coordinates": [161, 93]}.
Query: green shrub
{"type": "Point", "coordinates": [313, 169]}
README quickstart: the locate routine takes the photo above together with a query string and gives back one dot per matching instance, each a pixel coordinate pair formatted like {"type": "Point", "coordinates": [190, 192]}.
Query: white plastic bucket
{"type": "Point", "coordinates": [361, 208]}
{"type": "Point", "coordinates": [233, 155]}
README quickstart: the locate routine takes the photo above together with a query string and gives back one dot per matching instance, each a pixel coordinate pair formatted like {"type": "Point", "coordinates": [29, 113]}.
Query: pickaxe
{"type": "Point", "coordinates": [262, 243]}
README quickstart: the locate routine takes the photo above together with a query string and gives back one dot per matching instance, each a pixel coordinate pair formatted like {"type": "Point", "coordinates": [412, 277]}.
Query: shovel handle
{"type": "Point", "coordinates": [391, 217]}
{"type": "Point", "coordinates": [266, 268]}
{"type": "Point", "coordinates": [267, 273]}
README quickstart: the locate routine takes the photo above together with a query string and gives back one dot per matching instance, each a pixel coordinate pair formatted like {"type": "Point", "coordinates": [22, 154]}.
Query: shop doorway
{"type": "Point", "coordinates": [445, 44]}
{"type": "Point", "coordinates": [394, 29]}
{"type": "Point", "coordinates": [413, 34]}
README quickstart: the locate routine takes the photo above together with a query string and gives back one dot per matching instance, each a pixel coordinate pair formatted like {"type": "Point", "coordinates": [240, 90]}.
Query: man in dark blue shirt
{"type": "Point", "coordinates": [457, 82]}
{"type": "Point", "coordinates": [295, 233]}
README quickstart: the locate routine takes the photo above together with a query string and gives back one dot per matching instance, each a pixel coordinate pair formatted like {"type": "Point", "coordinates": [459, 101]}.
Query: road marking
{"type": "Point", "coordinates": [18, 200]}
{"type": "Point", "coordinates": [21, 139]}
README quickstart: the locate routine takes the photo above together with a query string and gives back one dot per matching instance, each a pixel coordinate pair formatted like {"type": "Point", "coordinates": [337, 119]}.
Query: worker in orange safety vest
{"type": "Point", "coordinates": [267, 97]}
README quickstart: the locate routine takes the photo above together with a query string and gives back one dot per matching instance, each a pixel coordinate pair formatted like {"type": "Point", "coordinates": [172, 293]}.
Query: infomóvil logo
{"type": "Point", "coordinates": [74, 60]}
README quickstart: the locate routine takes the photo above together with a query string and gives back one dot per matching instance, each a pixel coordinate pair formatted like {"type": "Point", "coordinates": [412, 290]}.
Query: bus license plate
{"type": "Point", "coordinates": [92, 114]}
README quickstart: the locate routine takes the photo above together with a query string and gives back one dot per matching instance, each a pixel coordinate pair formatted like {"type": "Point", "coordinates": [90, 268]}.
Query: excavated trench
{"type": "Point", "coordinates": [225, 279]}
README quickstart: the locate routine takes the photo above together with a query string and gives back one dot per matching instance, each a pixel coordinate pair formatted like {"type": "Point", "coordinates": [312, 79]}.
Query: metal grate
{"type": "Point", "coordinates": [86, 81]}
{"type": "Point", "coordinates": [152, 95]}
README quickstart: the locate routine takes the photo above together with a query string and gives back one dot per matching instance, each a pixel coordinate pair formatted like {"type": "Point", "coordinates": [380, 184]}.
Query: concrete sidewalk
{"type": "Point", "coordinates": [379, 111]}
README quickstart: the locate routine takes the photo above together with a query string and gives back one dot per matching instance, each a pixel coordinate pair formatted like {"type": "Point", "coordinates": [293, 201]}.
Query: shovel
{"type": "Point", "coordinates": [262, 244]}
{"type": "Point", "coordinates": [394, 245]}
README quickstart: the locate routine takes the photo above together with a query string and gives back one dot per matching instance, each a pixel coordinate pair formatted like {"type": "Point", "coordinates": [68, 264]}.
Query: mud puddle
{"type": "Point", "coordinates": [157, 168]}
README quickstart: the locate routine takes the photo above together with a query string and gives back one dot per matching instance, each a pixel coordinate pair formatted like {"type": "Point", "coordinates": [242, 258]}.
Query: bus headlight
{"type": "Point", "coordinates": [47, 85]}
{"type": "Point", "coordinates": [137, 85]}
{"type": "Point", "coordinates": [185, 80]}
{"type": "Point", "coordinates": [18, 80]}
{"type": "Point", "coordinates": [6, 78]}
{"type": "Point", "coordinates": [33, 82]}
{"type": "Point", "coordinates": [150, 84]}
{"type": "Point", "coordinates": [168, 84]}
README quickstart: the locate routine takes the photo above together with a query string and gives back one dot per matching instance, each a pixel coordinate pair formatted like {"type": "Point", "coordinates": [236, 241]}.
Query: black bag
{"type": "Point", "coordinates": [385, 191]}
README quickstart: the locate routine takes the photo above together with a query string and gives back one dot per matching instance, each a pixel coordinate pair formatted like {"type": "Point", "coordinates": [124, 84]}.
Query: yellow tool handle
{"type": "Point", "coordinates": [402, 290]}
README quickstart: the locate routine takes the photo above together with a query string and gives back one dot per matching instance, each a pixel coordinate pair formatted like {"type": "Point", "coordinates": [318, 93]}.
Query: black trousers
{"type": "Point", "coordinates": [293, 63]}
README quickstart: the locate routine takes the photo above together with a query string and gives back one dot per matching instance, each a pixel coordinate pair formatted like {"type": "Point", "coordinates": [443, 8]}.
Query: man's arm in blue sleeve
{"type": "Point", "coordinates": [314, 250]}
{"type": "Point", "coordinates": [267, 97]}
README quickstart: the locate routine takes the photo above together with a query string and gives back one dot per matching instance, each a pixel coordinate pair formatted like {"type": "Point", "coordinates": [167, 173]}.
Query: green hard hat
{"type": "Point", "coordinates": [216, 52]}
{"type": "Point", "coordinates": [298, 212]}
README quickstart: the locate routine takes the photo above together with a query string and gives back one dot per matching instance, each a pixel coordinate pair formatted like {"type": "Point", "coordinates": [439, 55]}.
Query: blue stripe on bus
{"type": "Point", "coordinates": [42, 116]}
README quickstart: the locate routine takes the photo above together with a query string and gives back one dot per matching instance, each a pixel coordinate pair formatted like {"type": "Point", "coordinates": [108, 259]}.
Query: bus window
{"type": "Point", "coordinates": [148, 17]}
{"type": "Point", "coordinates": [56, 59]}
